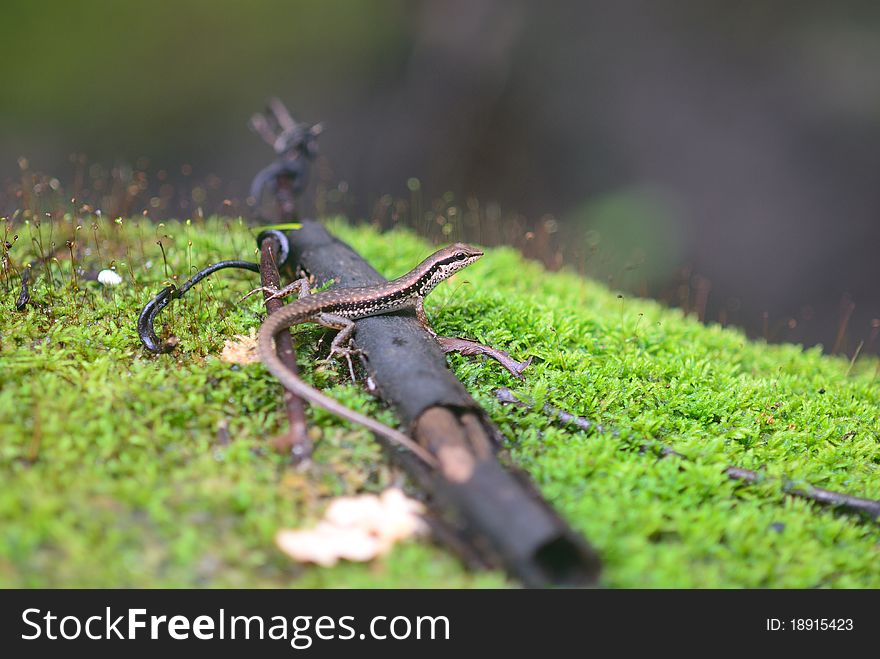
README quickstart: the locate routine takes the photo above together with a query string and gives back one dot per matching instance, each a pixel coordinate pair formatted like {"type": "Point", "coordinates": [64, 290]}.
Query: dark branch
{"type": "Point", "coordinates": [506, 520]}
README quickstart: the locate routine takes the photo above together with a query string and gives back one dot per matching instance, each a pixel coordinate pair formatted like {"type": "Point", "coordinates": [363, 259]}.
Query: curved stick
{"type": "Point", "coordinates": [147, 317]}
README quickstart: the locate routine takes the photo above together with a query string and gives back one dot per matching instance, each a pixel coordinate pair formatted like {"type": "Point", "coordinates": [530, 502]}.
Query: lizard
{"type": "Point", "coordinates": [339, 308]}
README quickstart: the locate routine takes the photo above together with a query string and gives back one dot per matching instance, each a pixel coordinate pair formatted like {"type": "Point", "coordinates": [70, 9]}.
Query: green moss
{"type": "Point", "coordinates": [115, 475]}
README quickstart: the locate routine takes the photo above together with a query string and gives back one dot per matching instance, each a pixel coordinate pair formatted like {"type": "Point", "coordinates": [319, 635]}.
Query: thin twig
{"type": "Point", "coordinates": [25, 295]}
{"type": "Point", "coordinates": [837, 500]}
{"type": "Point", "coordinates": [296, 441]}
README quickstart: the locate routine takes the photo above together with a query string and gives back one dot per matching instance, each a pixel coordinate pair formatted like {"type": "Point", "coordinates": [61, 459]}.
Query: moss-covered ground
{"type": "Point", "coordinates": [114, 472]}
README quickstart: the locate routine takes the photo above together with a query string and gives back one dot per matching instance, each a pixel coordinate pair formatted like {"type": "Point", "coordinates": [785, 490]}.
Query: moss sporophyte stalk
{"type": "Point", "coordinates": [115, 473]}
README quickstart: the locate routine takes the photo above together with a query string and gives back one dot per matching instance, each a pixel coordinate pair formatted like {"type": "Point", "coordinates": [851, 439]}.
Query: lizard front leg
{"type": "Point", "coordinates": [423, 317]}
{"type": "Point", "coordinates": [469, 347]}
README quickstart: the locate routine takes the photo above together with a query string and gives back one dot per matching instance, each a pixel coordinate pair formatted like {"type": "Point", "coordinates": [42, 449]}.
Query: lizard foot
{"type": "Point", "coordinates": [346, 354]}
{"type": "Point", "coordinates": [261, 289]}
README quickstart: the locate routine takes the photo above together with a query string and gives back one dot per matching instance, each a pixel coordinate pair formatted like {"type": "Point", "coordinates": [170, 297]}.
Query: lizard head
{"type": "Point", "coordinates": [450, 260]}
{"type": "Point", "coordinates": [444, 263]}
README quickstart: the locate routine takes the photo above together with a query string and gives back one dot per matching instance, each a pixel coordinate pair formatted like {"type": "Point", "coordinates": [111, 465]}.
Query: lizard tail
{"type": "Point", "coordinates": [280, 321]}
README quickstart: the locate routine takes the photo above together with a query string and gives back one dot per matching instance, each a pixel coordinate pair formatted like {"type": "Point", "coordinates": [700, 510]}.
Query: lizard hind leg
{"type": "Point", "coordinates": [340, 346]}
{"type": "Point", "coordinates": [300, 287]}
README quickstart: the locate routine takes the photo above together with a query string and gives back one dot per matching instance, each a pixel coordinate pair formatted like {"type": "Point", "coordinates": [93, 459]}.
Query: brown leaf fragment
{"type": "Point", "coordinates": [241, 349]}
{"type": "Point", "coordinates": [355, 529]}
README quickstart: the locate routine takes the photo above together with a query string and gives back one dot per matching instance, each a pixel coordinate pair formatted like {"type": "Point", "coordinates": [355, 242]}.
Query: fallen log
{"type": "Point", "coordinates": [507, 521]}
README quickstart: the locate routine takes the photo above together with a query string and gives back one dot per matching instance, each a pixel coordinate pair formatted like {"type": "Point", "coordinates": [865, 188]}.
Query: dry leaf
{"type": "Point", "coordinates": [356, 529]}
{"type": "Point", "coordinates": [241, 348]}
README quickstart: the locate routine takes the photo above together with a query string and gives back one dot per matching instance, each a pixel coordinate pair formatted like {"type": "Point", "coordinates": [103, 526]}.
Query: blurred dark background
{"type": "Point", "coordinates": [721, 156]}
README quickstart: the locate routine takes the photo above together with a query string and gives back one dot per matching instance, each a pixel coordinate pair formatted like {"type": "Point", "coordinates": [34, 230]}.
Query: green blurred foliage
{"type": "Point", "coordinates": [635, 229]}
{"type": "Point", "coordinates": [163, 71]}
{"type": "Point", "coordinates": [115, 474]}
